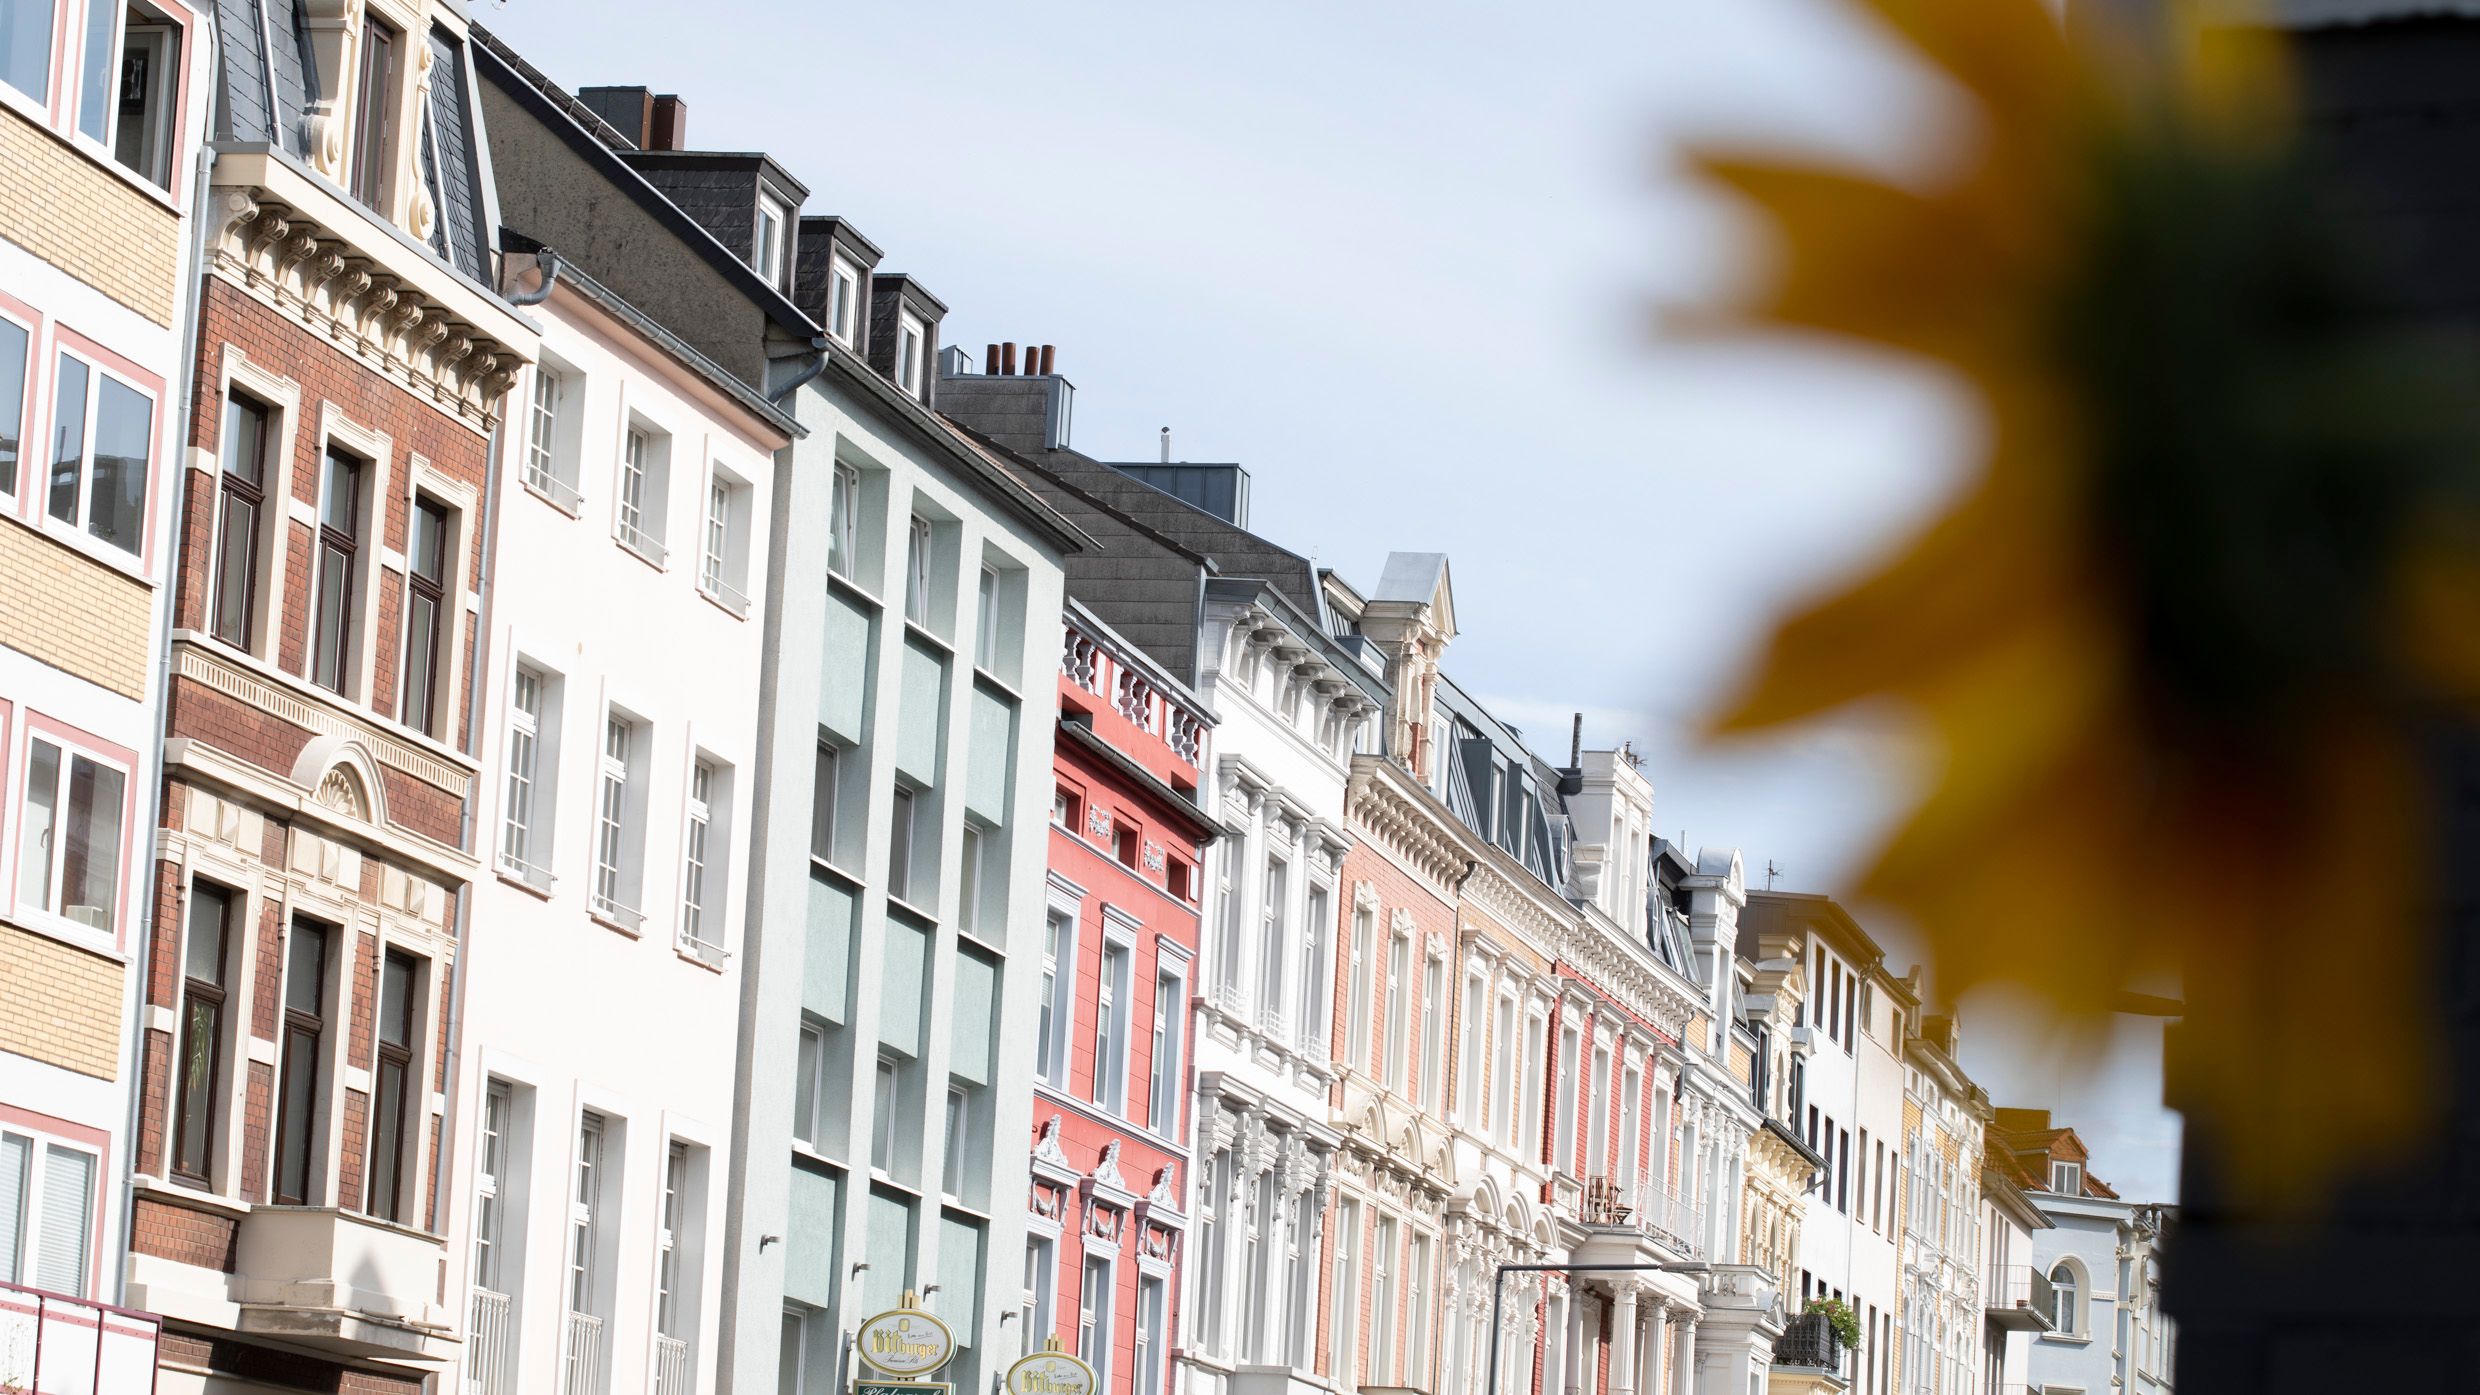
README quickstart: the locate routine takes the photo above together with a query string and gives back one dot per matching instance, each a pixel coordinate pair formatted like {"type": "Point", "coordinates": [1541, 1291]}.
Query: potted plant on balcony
{"type": "Point", "coordinates": [1840, 1317]}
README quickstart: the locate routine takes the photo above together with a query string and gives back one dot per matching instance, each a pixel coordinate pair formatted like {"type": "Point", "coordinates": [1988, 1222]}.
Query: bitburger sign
{"type": "Point", "coordinates": [905, 1341]}
{"type": "Point", "coordinates": [1050, 1371]}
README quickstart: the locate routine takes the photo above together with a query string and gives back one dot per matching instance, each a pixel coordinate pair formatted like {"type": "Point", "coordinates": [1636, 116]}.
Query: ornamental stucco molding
{"type": "Point", "coordinates": [1621, 972]}
{"type": "Point", "coordinates": [1403, 826]}
{"type": "Point", "coordinates": [321, 279]}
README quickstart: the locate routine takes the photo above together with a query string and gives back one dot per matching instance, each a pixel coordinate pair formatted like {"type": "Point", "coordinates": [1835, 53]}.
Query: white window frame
{"type": "Point", "coordinates": [1040, 1306]}
{"type": "Point", "coordinates": [706, 860]}
{"type": "Point", "coordinates": [767, 253]}
{"type": "Point", "coordinates": [886, 1102]}
{"type": "Point", "coordinates": [844, 302]}
{"type": "Point", "coordinates": [20, 1266]}
{"type": "Point", "coordinates": [553, 409]}
{"type": "Point", "coordinates": [1167, 1083]}
{"type": "Point", "coordinates": [1112, 1002]}
{"type": "Point", "coordinates": [78, 530]}
{"type": "Point", "coordinates": [990, 590]}
{"type": "Point", "coordinates": [912, 341]}
{"type": "Point", "coordinates": [1395, 1069]}
{"type": "Point", "coordinates": [1359, 1010]}
{"type": "Point", "coordinates": [641, 493]}
{"type": "Point", "coordinates": [920, 542]}
{"type": "Point", "coordinates": [619, 822]}
{"type": "Point", "coordinates": [44, 909]}
{"type": "Point", "coordinates": [1094, 1305]}
{"type": "Point", "coordinates": [844, 522]}
{"type": "Point", "coordinates": [723, 554]}
{"type": "Point", "coordinates": [1059, 982]}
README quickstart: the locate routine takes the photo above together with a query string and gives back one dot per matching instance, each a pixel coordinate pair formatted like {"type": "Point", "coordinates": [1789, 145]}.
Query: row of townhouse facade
{"type": "Point", "coordinates": [544, 848]}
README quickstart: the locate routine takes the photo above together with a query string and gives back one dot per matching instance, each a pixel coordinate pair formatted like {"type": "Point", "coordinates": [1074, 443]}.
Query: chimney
{"type": "Point", "coordinates": [1007, 358]}
{"type": "Point", "coordinates": [628, 110]}
{"type": "Point", "coordinates": [1166, 445]}
{"type": "Point", "coordinates": [1046, 360]}
{"type": "Point", "coordinates": [667, 125]}
{"type": "Point", "coordinates": [990, 360]}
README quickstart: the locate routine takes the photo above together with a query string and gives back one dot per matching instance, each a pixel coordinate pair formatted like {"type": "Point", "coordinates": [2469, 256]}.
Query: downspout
{"type": "Point", "coordinates": [476, 650]}
{"type": "Point", "coordinates": [817, 365]}
{"type": "Point", "coordinates": [151, 815]}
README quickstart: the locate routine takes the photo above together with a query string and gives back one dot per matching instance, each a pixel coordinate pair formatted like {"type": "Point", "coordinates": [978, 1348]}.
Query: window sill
{"type": "Point", "coordinates": [2067, 1339]}
{"type": "Point", "coordinates": [949, 1201]}
{"type": "Point", "coordinates": [837, 581]}
{"type": "Point", "coordinates": [552, 491]}
{"type": "Point", "coordinates": [540, 891]}
{"type": "Point", "coordinates": [916, 912]}
{"type": "Point", "coordinates": [130, 564]}
{"type": "Point", "coordinates": [644, 549]}
{"type": "Point", "coordinates": [104, 943]}
{"type": "Point", "coordinates": [611, 915]}
{"type": "Point", "coordinates": [192, 1195]}
{"type": "Point", "coordinates": [712, 958]}
{"type": "Point", "coordinates": [851, 882]}
{"type": "Point", "coordinates": [805, 1151]}
{"type": "Point", "coordinates": [727, 598]}
{"type": "Point", "coordinates": [881, 1177]}
{"type": "Point", "coordinates": [1004, 688]}
{"type": "Point", "coordinates": [915, 629]}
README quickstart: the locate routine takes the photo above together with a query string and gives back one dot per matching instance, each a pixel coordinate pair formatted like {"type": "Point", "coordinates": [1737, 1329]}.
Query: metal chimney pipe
{"type": "Point", "coordinates": [1046, 360]}
{"type": "Point", "coordinates": [1166, 445]}
{"type": "Point", "coordinates": [1007, 357]}
{"type": "Point", "coordinates": [990, 360]}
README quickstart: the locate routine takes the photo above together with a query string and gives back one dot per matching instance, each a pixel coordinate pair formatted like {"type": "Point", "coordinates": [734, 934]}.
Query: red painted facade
{"type": "Point", "coordinates": [1110, 1152]}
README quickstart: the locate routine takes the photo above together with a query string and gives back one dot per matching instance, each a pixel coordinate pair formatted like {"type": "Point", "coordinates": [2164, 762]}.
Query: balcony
{"type": "Point", "coordinates": [581, 1355]}
{"type": "Point", "coordinates": [2020, 1299]}
{"type": "Point", "coordinates": [342, 1284]}
{"type": "Point", "coordinates": [1809, 1345]}
{"type": "Point", "coordinates": [1741, 1288]}
{"type": "Point", "coordinates": [491, 1346]}
{"type": "Point", "coordinates": [1651, 1211]}
{"type": "Point", "coordinates": [52, 1344]}
{"type": "Point", "coordinates": [671, 1366]}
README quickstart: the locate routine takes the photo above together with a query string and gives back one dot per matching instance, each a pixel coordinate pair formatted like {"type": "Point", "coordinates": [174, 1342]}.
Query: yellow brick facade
{"type": "Point", "coordinates": [72, 612]}
{"type": "Point", "coordinates": [57, 203]}
{"type": "Point", "coordinates": [63, 1006]}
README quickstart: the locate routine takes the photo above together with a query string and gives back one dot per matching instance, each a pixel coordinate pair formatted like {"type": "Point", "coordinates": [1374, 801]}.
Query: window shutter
{"type": "Point", "coordinates": [16, 1155]}
{"type": "Point", "coordinates": [68, 1209]}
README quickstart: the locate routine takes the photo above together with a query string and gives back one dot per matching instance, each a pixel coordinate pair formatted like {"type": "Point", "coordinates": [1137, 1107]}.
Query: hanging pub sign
{"type": "Point", "coordinates": [1050, 1371]}
{"type": "Point", "coordinates": [866, 1386]}
{"type": "Point", "coordinates": [905, 1342]}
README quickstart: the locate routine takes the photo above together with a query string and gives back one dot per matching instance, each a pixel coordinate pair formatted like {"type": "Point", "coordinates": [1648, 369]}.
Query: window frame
{"type": "Point", "coordinates": [30, 462]}
{"type": "Point", "coordinates": [43, 1136]}
{"type": "Point", "coordinates": [844, 302]}
{"type": "Point", "coordinates": [706, 898]}
{"type": "Point", "coordinates": [198, 1108]}
{"type": "Point", "coordinates": [535, 736]}
{"type": "Point", "coordinates": [724, 540]}
{"type": "Point", "coordinates": [311, 1034]}
{"type": "Point", "coordinates": [619, 820]}
{"type": "Point", "coordinates": [641, 490]}
{"type": "Point", "coordinates": [1055, 1014]}
{"type": "Point", "coordinates": [844, 522]}
{"type": "Point", "coordinates": [912, 353]}
{"type": "Point", "coordinates": [17, 768]}
{"type": "Point", "coordinates": [169, 94]}
{"type": "Point", "coordinates": [767, 255]}
{"type": "Point", "coordinates": [370, 173]}
{"type": "Point", "coordinates": [1112, 1014]}
{"type": "Point", "coordinates": [397, 1158]}
{"type": "Point", "coordinates": [550, 450]}
{"type": "Point", "coordinates": [98, 363]}
{"type": "Point", "coordinates": [232, 492]}
{"type": "Point", "coordinates": [440, 590]}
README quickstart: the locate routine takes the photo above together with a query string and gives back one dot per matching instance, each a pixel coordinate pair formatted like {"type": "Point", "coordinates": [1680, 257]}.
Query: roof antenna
{"type": "Point", "coordinates": [1166, 445]}
{"type": "Point", "coordinates": [1771, 872]}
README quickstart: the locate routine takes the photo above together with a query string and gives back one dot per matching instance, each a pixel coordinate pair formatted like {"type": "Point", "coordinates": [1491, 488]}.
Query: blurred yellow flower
{"type": "Point", "coordinates": [2175, 640]}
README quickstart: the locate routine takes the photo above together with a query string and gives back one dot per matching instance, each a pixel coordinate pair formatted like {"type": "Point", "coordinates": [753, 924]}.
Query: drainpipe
{"type": "Point", "coordinates": [547, 260]}
{"type": "Point", "coordinates": [817, 365]}
{"type": "Point", "coordinates": [151, 800]}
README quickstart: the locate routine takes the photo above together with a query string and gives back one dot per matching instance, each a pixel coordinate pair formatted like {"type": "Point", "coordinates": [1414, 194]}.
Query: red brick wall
{"type": "Point", "coordinates": [168, 1231]}
{"type": "Point", "coordinates": [269, 1367]}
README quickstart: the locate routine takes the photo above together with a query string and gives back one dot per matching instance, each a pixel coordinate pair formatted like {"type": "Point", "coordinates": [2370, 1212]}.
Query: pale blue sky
{"type": "Point", "coordinates": [1396, 259]}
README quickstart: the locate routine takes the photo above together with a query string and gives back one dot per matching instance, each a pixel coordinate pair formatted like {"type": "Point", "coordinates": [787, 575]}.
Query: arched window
{"type": "Point", "coordinates": [2069, 1314]}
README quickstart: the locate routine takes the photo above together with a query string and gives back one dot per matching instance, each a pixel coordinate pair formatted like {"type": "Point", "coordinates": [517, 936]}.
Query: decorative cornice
{"type": "Point", "coordinates": [1617, 969]}
{"type": "Point", "coordinates": [322, 279]}
{"type": "Point", "coordinates": [204, 666]}
{"type": "Point", "coordinates": [1402, 825]}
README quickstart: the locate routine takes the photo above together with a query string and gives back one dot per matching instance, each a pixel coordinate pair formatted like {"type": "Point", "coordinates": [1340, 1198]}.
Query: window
{"type": "Point", "coordinates": [1416, 1318]}
{"type": "Point", "coordinates": [667, 1242]}
{"type": "Point", "coordinates": [427, 623]}
{"type": "Point", "coordinates": [1382, 1303]}
{"type": "Point", "coordinates": [137, 116]}
{"type": "Point", "coordinates": [1434, 1035]}
{"type": "Point", "coordinates": [526, 832]}
{"type": "Point", "coordinates": [826, 801]}
{"type": "Point", "coordinates": [1527, 1128]}
{"type": "Point", "coordinates": [1563, 1140]}
{"type": "Point", "coordinates": [986, 622]}
{"type": "Point", "coordinates": [809, 1079]}
{"type": "Point", "coordinates": [26, 47]}
{"type": "Point", "coordinates": [723, 563]}
{"type": "Point", "coordinates": [795, 1360]}
{"type": "Point", "coordinates": [1124, 843]}
{"type": "Point", "coordinates": [69, 836]}
{"type": "Point", "coordinates": [769, 243]}
{"type": "Point", "coordinates": [47, 1213]}
{"type": "Point", "coordinates": [1041, 1290]}
{"type": "Point", "coordinates": [1274, 938]}
{"type": "Point", "coordinates": [1050, 1048]}
{"type": "Point", "coordinates": [298, 1078]}
{"type": "Point", "coordinates": [585, 1207]}
{"type": "Point", "coordinates": [2069, 1316]}
{"type": "Point", "coordinates": [1064, 807]}
{"type": "Point", "coordinates": [1345, 1288]}
{"type": "Point", "coordinates": [844, 302]}
{"type": "Point", "coordinates": [1111, 1030]}
{"type": "Point", "coordinates": [2066, 1178]}
{"type": "Point", "coordinates": [550, 438]}
{"type": "Point", "coordinates": [645, 474]}
{"type": "Point", "coordinates": [374, 109]}
{"type": "Point", "coordinates": [334, 631]}
{"type": "Point", "coordinates": [1631, 1131]}
{"type": "Point", "coordinates": [1162, 1108]}
{"type": "Point", "coordinates": [201, 1068]}
{"type": "Point", "coordinates": [103, 433]}
{"type": "Point", "coordinates": [618, 841]}
{"type": "Point", "coordinates": [910, 340]}
{"type": "Point", "coordinates": [917, 571]}
{"type": "Point", "coordinates": [1469, 1095]}
{"type": "Point", "coordinates": [844, 513]}
{"type": "Point", "coordinates": [702, 886]}
{"type": "Point", "coordinates": [1149, 1346]}
{"type": "Point", "coordinates": [1398, 1010]}
{"type": "Point", "coordinates": [1357, 1007]}
{"type": "Point", "coordinates": [15, 340]}
{"type": "Point", "coordinates": [490, 1207]}
{"type": "Point", "coordinates": [889, 1093]}
{"type": "Point", "coordinates": [979, 850]}
{"type": "Point", "coordinates": [900, 832]}
{"type": "Point", "coordinates": [960, 1141]}
{"type": "Point", "coordinates": [392, 1085]}
{"type": "Point", "coordinates": [240, 503]}
{"type": "Point", "coordinates": [1093, 1320]}
{"type": "Point", "coordinates": [1317, 973]}
{"type": "Point", "coordinates": [1597, 1113]}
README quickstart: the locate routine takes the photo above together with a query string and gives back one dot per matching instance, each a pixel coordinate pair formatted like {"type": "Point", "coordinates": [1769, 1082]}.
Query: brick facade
{"type": "Point", "coordinates": [72, 612]}
{"type": "Point", "coordinates": [59, 204]}
{"type": "Point", "coordinates": [63, 1005]}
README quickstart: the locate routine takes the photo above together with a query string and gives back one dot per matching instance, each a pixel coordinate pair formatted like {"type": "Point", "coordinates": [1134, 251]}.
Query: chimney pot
{"type": "Point", "coordinates": [1046, 360]}
{"type": "Point", "coordinates": [667, 127]}
{"type": "Point", "coordinates": [1007, 357]}
{"type": "Point", "coordinates": [990, 360]}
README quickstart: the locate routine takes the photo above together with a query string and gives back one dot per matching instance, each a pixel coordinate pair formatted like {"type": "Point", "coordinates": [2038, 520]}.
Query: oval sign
{"type": "Point", "coordinates": [1050, 1373]}
{"type": "Point", "coordinates": [906, 1342]}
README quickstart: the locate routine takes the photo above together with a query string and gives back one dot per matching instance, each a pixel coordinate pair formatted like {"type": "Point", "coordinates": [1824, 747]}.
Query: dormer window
{"type": "Point", "coordinates": [770, 244]}
{"type": "Point", "coordinates": [910, 342]}
{"type": "Point", "coordinates": [374, 108]}
{"type": "Point", "coordinates": [2066, 1178]}
{"type": "Point", "coordinates": [844, 303]}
